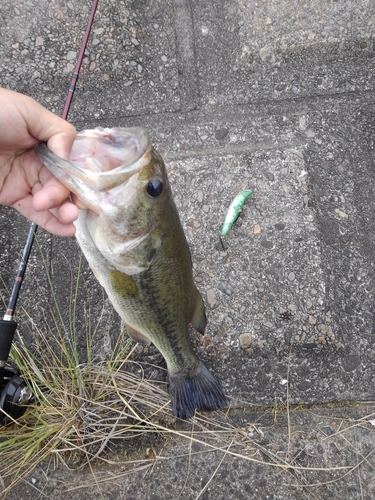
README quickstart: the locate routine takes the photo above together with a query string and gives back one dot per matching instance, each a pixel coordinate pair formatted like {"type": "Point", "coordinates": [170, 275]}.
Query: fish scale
{"type": "Point", "coordinates": [134, 242]}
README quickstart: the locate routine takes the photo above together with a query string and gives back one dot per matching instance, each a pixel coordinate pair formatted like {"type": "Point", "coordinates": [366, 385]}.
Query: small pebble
{"type": "Point", "coordinates": [245, 340]}
{"type": "Point", "coordinates": [267, 244]}
{"type": "Point", "coordinates": [341, 214]}
{"type": "Point", "coordinates": [266, 55]}
{"type": "Point", "coordinates": [193, 223]}
{"type": "Point", "coordinates": [69, 68]}
{"type": "Point", "coordinates": [71, 55]}
{"type": "Point", "coordinates": [256, 229]}
{"type": "Point", "coordinates": [134, 41]}
{"type": "Point", "coordinates": [291, 276]}
{"type": "Point", "coordinates": [280, 87]}
{"type": "Point", "coordinates": [225, 287]}
{"type": "Point", "coordinates": [268, 324]}
{"type": "Point", "coordinates": [39, 41]}
{"type": "Point", "coordinates": [302, 123]}
{"type": "Point", "coordinates": [221, 133]}
{"type": "Point", "coordinates": [330, 334]}
{"type": "Point", "coordinates": [310, 133]}
{"type": "Point", "coordinates": [312, 320]}
{"type": "Point", "coordinates": [211, 298]}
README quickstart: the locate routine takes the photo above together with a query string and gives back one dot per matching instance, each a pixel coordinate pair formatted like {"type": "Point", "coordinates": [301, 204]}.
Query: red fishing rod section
{"type": "Point", "coordinates": [14, 391]}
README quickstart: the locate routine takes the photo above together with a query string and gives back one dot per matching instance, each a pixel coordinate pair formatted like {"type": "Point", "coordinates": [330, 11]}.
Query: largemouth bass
{"type": "Point", "coordinates": [132, 237]}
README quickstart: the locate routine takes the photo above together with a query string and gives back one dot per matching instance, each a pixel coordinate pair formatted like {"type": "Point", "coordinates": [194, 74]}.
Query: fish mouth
{"type": "Point", "coordinates": [106, 149]}
{"type": "Point", "coordinates": [100, 160]}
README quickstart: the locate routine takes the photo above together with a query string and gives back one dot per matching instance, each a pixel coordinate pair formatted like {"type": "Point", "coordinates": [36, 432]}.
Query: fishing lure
{"type": "Point", "coordinates": [234, 211]}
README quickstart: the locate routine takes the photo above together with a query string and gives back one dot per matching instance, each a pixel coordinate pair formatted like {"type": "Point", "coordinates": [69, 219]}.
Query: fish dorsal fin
{"type": "Point", "coordinates": [137, 336]}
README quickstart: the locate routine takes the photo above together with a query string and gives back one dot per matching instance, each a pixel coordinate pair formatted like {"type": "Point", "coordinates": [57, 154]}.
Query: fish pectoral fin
{"type": "Point", "coordinates": [137, 336]}
{"type": "Point", "coordinates": [199, 319]}
{"type": "Point", "coordinates": [153, 250]}
{"type": "Point", "coordinates": [137, 260]}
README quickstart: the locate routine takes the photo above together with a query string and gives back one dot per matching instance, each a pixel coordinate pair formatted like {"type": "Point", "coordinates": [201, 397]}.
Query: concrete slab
{"type": "Point", "coordinates": [270, 96]}
{"type": "Point", "coordinates": [330, 448]}
{"type": "Point", "coordinates": [250, 51]}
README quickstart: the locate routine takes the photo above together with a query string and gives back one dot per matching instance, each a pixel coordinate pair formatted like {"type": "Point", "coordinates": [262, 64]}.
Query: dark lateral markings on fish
{"type": "Point", "coordinates": [133, 239]}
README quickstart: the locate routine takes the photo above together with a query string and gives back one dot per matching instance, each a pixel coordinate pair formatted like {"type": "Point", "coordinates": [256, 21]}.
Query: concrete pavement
{"type": "Point", "coordinates": [272, 96]}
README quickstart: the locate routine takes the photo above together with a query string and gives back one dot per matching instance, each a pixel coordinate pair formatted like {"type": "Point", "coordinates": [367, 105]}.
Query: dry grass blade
{"type": "Point", "coordinates": [81, 410]}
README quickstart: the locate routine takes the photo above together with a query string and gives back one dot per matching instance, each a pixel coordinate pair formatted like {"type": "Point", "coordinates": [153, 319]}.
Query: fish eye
{"type": "Point", "coordinates": [154, 188]}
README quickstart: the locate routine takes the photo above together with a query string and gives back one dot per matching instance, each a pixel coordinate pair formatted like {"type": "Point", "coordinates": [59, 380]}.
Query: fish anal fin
{"type": "Point", "coordinates": [137, 336]}
{"type": "Point", "coordinates": [195, 390]}
{"type": "Point", "coordinates": [199, 319]}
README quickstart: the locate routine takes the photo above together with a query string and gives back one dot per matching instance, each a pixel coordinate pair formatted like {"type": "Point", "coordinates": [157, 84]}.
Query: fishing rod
{"type": "Point", "coordinates": [14, 392]}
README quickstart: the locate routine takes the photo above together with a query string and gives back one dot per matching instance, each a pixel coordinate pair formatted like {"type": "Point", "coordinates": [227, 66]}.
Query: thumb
{"type": "Point", "coordinates": [45, 126]}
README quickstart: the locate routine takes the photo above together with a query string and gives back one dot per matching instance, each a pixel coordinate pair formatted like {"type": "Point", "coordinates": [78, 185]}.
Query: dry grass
{"type": "Point", "coordinates": [81, 410]}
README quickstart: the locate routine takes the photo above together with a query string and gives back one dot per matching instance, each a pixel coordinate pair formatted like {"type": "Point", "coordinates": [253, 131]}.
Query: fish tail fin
{"type": "Point", "coordinates": [199, 319]}
{"type": "Point", "coordinates": [195, 390]}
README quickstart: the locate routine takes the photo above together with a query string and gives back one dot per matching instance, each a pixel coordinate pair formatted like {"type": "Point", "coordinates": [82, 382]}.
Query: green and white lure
{"type": "Point", "coordinates": [234, 211]}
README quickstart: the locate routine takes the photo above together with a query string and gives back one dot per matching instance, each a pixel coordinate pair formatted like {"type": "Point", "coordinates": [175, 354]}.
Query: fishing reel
{"type": "Point", "coordinates": [14, 392]}
{"type": "Point", "coordinates": [14, 395]}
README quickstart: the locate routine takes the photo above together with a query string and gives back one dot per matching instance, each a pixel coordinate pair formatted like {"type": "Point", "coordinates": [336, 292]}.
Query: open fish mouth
{"type": "Point", "coordinates": [104, 149]}
{"type": "Point", "coordinates": [100, 160]}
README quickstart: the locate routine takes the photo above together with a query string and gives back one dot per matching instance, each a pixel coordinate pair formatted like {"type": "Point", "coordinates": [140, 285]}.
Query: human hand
{"type": "Point", "coordinates": [25, 183]}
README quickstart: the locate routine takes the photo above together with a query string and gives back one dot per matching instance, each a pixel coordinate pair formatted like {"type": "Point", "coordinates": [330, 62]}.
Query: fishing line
{"type": "Point", "coordinates": [14, 391]}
